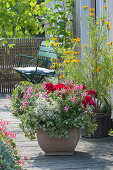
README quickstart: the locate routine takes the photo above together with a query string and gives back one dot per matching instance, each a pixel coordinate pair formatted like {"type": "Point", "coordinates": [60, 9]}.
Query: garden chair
{"type": "Point", "coordinates": [37, 68]}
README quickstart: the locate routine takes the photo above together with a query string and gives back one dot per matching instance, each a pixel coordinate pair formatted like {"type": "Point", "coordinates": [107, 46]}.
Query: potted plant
{"type": "Point", "coordinates": [57, 114]}
{"type": "Point", "coordinates": [91, 64]}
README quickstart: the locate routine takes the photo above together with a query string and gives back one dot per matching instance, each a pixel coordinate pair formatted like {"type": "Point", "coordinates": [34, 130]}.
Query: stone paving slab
{"type": "Point", "coordinates": [90, 153]}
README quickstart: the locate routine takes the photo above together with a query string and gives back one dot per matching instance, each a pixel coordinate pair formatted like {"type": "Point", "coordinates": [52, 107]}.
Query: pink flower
{"type": "Point", "coordinates": [24, 96]}
{"type": "Point", "coordinates": [20, 162]}
{"type": "Point", "coordinates": [44, 95]}
{"type": "Point", "coordinates": [25, 104]}
{"type": "Point", "coordinates": [7, 96]}
{"type": "Point", "coordinates": [29, 95]}
{"type": "Point", "coordinates": [73, 99]}
{"type": "Point", "coordinates": [16, 97]}
{"type": "Point", "coordinates": [84, 94]}
{"type": "Point", "coordinates": [36, 94]}
{"type": "Point", "coordinates": [66, 82]}
{"type": "Point", "coordinates": [26, 158]}
{"type": "Point", "coordinates": [29, 89]}
{"type": "Point", "coordinates": [21, 108]}
{"type": "Point", "coordinates": [6, 106]}
{"type": "Point", "coordinates": [66, 108]}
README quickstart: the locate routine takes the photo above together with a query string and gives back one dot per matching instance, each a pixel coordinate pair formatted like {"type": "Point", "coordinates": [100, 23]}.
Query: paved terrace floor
{"type": "Point", "coordinates": [90, 153]}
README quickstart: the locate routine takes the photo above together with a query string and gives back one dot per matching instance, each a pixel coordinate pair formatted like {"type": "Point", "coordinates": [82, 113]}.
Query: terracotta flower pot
{"type": "Point", "coordinates": [58, 146]}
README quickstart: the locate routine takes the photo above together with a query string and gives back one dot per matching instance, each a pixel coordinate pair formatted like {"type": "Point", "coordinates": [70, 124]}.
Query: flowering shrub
{"type": "Point", "coordinates": [91, 63]}
{"type": "Point", "coordinates": [56, 108]}
{"type": "Point", "coordinates": [21, 97]}
{"type": "Point", "coordinates": [9, 158]}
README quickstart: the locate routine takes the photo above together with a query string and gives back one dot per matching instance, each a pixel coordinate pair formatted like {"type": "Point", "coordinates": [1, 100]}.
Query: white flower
{"type": "Point", "coordinates": [46, 107]}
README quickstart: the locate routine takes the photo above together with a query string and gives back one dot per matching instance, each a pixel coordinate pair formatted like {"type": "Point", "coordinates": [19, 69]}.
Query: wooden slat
{"type": "Point", "coordinates": [46, 54]}
{"type": "Point", "coordinates": [46, 49]}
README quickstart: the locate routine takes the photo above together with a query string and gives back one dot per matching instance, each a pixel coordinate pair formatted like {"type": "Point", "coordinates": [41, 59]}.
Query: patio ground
{"type": "Point", "coordinates": [90, 153]}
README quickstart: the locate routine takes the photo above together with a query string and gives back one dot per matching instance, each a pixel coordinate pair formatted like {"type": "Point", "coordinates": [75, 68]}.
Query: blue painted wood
{"type": "Point", "coordinates": [46, 49]}
{"type": "Point", "coordinates": [47, 54]}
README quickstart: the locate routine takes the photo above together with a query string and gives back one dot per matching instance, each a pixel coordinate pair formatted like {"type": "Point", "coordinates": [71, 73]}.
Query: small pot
{"type": "Point", "coordinates": [58, 146]}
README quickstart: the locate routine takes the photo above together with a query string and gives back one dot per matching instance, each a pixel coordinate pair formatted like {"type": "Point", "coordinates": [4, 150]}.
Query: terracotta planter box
{"type": "Point", "coordinates": [58, 146]}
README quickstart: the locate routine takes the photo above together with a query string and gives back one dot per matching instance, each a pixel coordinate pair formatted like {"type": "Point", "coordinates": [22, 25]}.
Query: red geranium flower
{"type": "Point", "coordinates": [88, 101]}
{"type": "Point", "coordinates": [84, 87]}
{"type": "Point", "coordinates": [91, 92]}
{"type": "Point", "coordinates": [60, 86]}
{"type": "Point", "coordinates": [50, 87]}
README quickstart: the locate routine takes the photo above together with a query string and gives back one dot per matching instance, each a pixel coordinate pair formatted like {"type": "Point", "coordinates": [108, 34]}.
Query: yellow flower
{"type": "Point", "coordinates": [54, 39]}
{"type": "Point", "coordinates": [61, 76]}
{"type": "Point", "coordinates": [108, 43]}
{"type": "Point", "coordinates": [85, 7]}
{"type": "Point", "coordinates": [57, 59]}
{"type": "Point", "coordinates": [107, 23]}
{"type": "Point", "coordinates": [52, 66]}
{"type": "Point", "coordinates": [105, 7]}
{"type": "Point", "coordinates": [109, 27]}
{"type": "Point", "coordinates": [76, 61]}
{"type": "Point", "coordinates": [66, 61]}
{"type": "Point", "coordinates": [51, 43]}
{"type": "Point", "coordinates": [102, 20]}
{"type": "Point", "coordinates": [56, 44]}
{"type": "Point", "coordinates": [70, 58]}
{"type": "Point", "coordinates": [111, 43]}
{"type": "Point", "coordinates": [97, 23]}
{"type": "Point", "coordinates": [77, 39]}
{"type": "Point", "coordinates": [97, 71]}
{"type": "Point", "coordinates": [91, 14]}
{"type": "Point", "coordinates": [92, 9]}
{"type": "Point", "coordinates": [55, 63]}
{"type": "Point", "coordinates": [67, 52]}
{"type": "Point", "coordinates": [85, 45]}
{"type": "Point", "coordinates": [75, 52]}
{"type": "Point", "coordinates": [99, 68]}
{"type": "Point", "coordinates": [69, 48]}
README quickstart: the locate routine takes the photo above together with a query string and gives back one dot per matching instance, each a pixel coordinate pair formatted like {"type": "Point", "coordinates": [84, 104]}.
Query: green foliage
{"type": "Point", "coordinates": [19, 18]}
{"type": "Point", "coordinates": [8, 154]}
{"type": "Point", "coordinates": [47, 110]}
{"type": "Point", "coordinates": [94, 65]}
{"type": "Point", "coordinates": [98, 63]}
{"type": "Point", "coordinates": [57, 20]}
{"type": "Point", "coordinates": [7, 158]}
{"type": "Point", "coordinates": [18, 95]}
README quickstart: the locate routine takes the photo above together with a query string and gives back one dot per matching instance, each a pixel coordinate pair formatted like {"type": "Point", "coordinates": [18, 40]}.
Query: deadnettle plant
{"type": "Point", "coordinates": [57, 108]}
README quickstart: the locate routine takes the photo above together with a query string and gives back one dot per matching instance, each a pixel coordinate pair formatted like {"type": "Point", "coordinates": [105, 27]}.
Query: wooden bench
{"type": "Point", "coordinates": [34, 73]}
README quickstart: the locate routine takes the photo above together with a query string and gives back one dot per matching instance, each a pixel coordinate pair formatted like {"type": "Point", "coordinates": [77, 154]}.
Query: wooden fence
{"type": "Point", "coordinates": [27, 46]}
